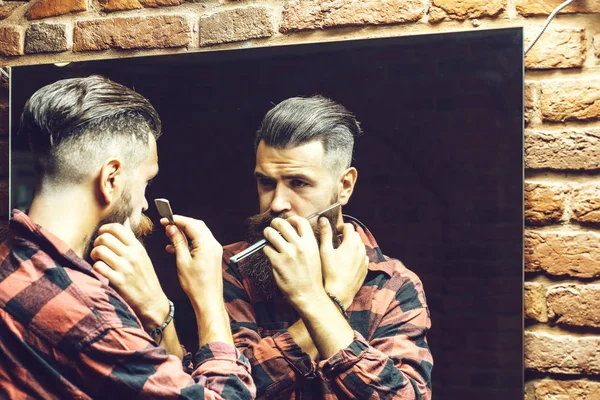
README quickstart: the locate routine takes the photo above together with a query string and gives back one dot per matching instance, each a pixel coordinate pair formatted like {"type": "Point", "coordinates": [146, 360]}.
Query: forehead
{"type": "Point", "coordinates": [309, 155]}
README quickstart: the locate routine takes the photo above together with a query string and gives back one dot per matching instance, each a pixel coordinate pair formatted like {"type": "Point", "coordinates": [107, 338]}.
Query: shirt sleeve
{"type": "Point", "coordinates": [126, 363]}
{"type": "Point", "coordinates": [277, 362]}
{"type": "Point", "coordinates": [396, 362]}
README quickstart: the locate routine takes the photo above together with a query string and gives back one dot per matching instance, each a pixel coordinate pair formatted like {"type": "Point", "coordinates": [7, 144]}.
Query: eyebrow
{"type": "Point", "coordinates": [287, 177]}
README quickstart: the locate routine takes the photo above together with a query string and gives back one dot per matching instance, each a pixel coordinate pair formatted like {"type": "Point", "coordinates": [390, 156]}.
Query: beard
{"type": "Point", "coordinates": [120, 212]}
{"type": "Point", "coordinates": [257, 267]}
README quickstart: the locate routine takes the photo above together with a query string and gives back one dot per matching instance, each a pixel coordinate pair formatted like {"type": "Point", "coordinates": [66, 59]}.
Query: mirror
{"type": "Point", "coordinates": [440, 169]}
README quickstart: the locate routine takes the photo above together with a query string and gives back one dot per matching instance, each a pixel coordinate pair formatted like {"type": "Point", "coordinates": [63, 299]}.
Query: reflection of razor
{"type": "Point", "coordinates": [262, 243]}
{"type": "Point", "coordinates": [164, 209]}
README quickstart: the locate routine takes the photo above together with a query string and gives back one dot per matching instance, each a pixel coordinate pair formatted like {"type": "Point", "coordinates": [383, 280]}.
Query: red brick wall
{"type": "Point", "coordinates": [562, 110]}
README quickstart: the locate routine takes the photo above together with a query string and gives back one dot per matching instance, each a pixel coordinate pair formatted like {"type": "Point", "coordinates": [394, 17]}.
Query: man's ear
{"type": "Point", "coordinates": [112, 179]}
{"type": "Point", "coordinates": [346, 185]}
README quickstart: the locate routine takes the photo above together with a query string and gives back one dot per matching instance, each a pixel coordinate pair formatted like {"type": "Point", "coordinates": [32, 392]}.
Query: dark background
{"type": "Point", "coordinates": [440, 169]}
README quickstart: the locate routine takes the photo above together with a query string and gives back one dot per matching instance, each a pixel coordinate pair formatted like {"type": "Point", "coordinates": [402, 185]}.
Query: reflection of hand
{"type": "Point", "coordinates": [122, 259]}
{"type": "Point", "coordinates": [199, 264]}
{"type": "Point", "coordinates": [294, 254]}
{"type": "Point", "coordinates": [344, 268]}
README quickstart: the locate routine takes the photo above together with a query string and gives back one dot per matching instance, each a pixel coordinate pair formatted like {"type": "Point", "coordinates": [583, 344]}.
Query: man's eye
{"type": "Point", "coordinates": [265, 182]}
{"type": "Point", "coordinates": [298, 183]}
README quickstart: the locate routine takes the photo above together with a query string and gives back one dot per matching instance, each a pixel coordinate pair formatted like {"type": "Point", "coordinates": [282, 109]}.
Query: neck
{"type": "Point", "coordinates": [67, 214]}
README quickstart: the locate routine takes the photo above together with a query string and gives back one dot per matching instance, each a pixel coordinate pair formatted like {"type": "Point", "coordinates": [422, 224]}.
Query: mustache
{"type": "Point", "coordinates": [261, 221]}
{"type": "Point", "coordinates": [144, 228]}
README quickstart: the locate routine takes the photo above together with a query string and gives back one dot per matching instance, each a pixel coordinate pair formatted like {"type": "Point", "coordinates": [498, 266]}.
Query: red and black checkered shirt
{"type": "Point", "coordinates": [64, 333]}
{"type": "Point", "coordinates": [389, 358]}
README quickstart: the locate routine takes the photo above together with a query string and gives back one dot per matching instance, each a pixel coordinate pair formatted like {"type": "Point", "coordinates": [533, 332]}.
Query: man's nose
{"type": "Point", "coordinates": [280, 202]}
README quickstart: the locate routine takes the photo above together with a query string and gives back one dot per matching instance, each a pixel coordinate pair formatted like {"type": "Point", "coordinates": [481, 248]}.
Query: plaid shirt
{"type": "Point", "coordinates": [64, 333]}
{"type": "Point", "coordinates": [389, 358]}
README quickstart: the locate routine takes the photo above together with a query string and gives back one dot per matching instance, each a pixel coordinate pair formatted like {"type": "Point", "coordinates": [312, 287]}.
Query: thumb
{"type": "Point", "coordinates": [180, 243]}
{"type": "Point", "coordinates": [326, 245]}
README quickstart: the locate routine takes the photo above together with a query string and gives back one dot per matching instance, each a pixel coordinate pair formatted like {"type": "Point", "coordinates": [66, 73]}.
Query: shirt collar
{"type": "Point", "coordinates": [377, 261]}
{"type": "Point", "coordinates": [23, 228]}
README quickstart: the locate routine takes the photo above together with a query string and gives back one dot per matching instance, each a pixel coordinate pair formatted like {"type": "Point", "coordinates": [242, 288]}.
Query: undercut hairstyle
{"type": "Point", "coordinates": [301, 120]}
{"type": "Point", "coordinates": [74, 125]}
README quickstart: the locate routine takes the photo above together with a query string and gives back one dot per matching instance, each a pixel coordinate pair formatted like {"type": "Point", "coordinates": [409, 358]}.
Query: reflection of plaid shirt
{"type": "Point", "coordinates": [389, 357]}
{"type": "Point", "coordinates": [64, 333]}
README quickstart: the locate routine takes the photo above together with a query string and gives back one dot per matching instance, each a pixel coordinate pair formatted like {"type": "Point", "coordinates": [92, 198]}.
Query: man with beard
{"type": "Point", "coordinates": [312, 317]}
{"type": "Point", "coordinates": [64, 332]}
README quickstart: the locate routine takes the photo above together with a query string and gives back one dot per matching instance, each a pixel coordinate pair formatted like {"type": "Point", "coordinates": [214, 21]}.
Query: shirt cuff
{"type": "Point", "coordinates": [219, 351]}
{"type": "Point", "coordinates": [186, 361]}
{"type": "Point", "coordinates": [298, 359]}
{"type": "Point", "coordinates": [344, 359]}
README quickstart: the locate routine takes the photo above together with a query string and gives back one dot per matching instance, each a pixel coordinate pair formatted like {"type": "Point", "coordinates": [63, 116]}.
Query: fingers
{"type": "Point", "coordinates": [347, 230]}
{"type": "Point", "coordinates": [287, 228]}
{"type": "Point", "coordinates": [326, 245]}
{"type": "Point", "coordinates": [124, 234]}
{"type": "Point", "coordinates": [301, 225]}
{"type": "Point", "coordinates": [179, 244]}
{"type": "Point", "coordinates": [103, 269]}
{"type": "Point", "coordinates": [194, 229]}
{"type": "Point", "coordinates": [108, 240]}
{"type": "Point", "coordinates": [278, 243]}
{"type": "Point", "coordinates": [103, 253]}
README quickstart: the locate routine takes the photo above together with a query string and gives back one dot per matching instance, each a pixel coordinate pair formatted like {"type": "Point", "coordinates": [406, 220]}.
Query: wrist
{"type": "Point", "coordinates": [157, 332]}
{"type": "Point", "coordinates": [309, 301]}
{"type": "Point", "coordinates": [154, 315]}
{"type": "Point", "coordinates": [339, 294]}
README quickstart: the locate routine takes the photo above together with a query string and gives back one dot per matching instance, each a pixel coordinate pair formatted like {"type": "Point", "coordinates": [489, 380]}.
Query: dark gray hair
{"type": "Point", "coordinates": [75, 124]}
{"type": "Point", "coordinates": [300, 120]}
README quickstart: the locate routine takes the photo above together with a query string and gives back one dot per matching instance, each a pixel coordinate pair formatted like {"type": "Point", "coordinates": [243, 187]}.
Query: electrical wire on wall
{"type": "Point", "coordinates": [550, 18]}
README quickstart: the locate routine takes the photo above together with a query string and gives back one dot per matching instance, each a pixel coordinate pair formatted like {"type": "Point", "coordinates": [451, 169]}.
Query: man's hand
{"type": "Point", "coordinates": [201, 276]}
{"type": "Point", "coordinates": [122, 259]}
{"type": "Point", "coordinates": [199, 264]}
{"type": "Point", "coordinates": [345, 268]}
{"type": "Point", "coordinates": [294, 254]}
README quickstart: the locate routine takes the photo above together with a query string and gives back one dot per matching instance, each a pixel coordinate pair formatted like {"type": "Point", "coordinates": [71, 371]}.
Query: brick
{"type": "Point", "coordinates": [304, 15]}
{"type": "Point", "coordinates": [544, 202]}
{"type": "Point", "coordinates": [53, 8]}
{"type": "Point", "coordinates": [561, 353]}
{"type": "Point", "coordinates": [123, 5]}
{"type": "Point", "coordinates": [161, 3]}
{"type": "Point", "coordinates": [46, 38]}
{"type": "Point", "coordinates": [119, 5]}
{"type": "Point", "coordinates": [236, 25]}
{"type": "Point", "coordinates": [546, 389]}
{"type": "Point", "coordinates": [585, 203]}
{"type": "Point", "coordinates": [575, 305]}
{"type": "Point", "coordinates": [570, 100]}
{"type": "Point", "coordinates": [4, 113]}
{"type": "Point", "coordinates": [534, 301]}
{"type": "Point", "coordinates": [6, 9]}
{"type": "Point", "coordinates": [573, 149]}
{"type": "Point", "coordinates": [464, 9]}
{"type": "Point", "coordinates": [556, 48]}
{"type": "Point", "coordinates": [11, 41]}
{"type": "Point", "coordinates": [132, 33]}
{"type": "Point", "coordinates": [532, 108]}
{"type": "Point", "coordinates": [545, 7]}
{"type": "Point", "coordinates": [561, 253]}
